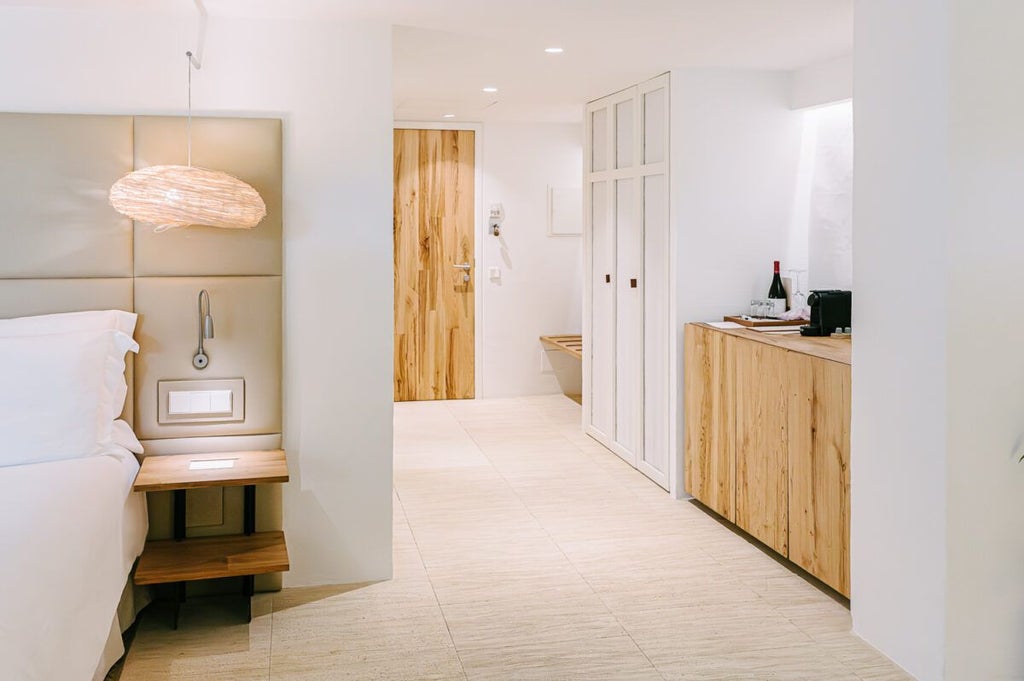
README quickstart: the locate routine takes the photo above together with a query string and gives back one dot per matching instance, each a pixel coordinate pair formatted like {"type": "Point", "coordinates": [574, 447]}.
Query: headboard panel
{"type": "Point", "coordinates": [55, 172]}
{"type": "Point", "coordinates": [63, 249]}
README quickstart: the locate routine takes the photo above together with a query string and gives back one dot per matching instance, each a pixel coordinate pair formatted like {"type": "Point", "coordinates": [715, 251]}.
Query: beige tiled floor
{"type": "Point", "coordinates": [524, 550]}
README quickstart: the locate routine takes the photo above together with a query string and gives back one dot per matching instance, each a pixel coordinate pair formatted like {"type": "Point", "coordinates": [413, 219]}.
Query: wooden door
{"type": "Point", "coordinates": [710, 466]}
{"type": "Point", "coordinates": [434, 266]}
{"type": "Point", "coordinates": [762, 452]}
{"type": "Point", "coordinates": [819, 466]}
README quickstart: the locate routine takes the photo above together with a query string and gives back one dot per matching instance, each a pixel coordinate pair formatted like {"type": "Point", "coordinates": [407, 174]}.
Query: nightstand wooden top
{"type": "Point", "coordinates": [215, 469]}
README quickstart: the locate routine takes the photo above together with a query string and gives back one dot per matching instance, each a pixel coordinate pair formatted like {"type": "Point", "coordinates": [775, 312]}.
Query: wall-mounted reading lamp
{"type": "Point", "coordinates": [200, 360]}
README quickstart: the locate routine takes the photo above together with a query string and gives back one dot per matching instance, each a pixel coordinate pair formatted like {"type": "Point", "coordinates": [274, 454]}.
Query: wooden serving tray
{"type": "Point", "coordinates": [756, 323]}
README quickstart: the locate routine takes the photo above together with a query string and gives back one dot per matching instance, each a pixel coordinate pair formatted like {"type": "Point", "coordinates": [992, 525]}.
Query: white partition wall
{"type": "Point", "coordinates": [627, 308]}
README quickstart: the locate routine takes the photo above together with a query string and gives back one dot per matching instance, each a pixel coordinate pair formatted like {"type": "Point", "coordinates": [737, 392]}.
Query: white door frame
{"type": "Point", "coordinates": [478, 234]}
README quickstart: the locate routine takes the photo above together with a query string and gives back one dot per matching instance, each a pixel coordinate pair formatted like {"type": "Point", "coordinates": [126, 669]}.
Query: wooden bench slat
{"type": "Point", "coordinates": [570, 344]}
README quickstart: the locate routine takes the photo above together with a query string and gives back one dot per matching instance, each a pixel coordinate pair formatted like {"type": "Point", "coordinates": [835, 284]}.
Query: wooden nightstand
{"type": "Point", "coordinates": [181, 560]}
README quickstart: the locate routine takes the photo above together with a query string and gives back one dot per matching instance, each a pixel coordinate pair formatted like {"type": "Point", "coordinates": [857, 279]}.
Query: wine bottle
{"type": "Point", "coordinates": [777, 294]}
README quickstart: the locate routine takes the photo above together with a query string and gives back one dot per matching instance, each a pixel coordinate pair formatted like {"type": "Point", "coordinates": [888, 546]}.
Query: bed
{"type": "Point", "coordinates": [66, 570]}
{"type": "Point", "coordinates": [71, 528]}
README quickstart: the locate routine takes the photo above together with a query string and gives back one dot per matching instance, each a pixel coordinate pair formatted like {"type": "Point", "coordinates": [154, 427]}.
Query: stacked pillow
{"type": "Point", "coordinates": [62, 385]}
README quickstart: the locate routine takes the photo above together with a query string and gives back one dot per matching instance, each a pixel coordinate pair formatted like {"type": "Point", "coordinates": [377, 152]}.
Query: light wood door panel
{"type": "Point", "coordinates": [710, 467]}
{"type": "Point", "coordinates": [819, 466]}
{"type": "Point", "coordinates": [433, 230]}
{"type": "Point", "coordinates": [762, 480]}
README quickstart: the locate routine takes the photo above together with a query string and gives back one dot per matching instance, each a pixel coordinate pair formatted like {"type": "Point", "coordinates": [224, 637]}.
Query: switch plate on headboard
{"type": "Point", "coordinates": [202, 401]}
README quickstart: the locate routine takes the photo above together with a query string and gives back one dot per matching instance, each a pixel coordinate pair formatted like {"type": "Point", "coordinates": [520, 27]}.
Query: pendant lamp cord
{"type": "Point", "coordinates": [188, 120]}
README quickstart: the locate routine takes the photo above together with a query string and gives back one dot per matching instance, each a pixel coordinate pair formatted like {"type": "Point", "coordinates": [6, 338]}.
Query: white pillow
{"type": "Point", "coordinates": [90, 320]}
{"type": "Point", "coordinates": [123, 435]}
{"type": "Point", "coordinates": [61, 394]}
{"type": "Point", "coordinates": [65, 322]}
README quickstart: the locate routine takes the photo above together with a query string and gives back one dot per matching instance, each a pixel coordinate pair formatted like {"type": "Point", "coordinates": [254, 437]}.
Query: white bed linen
{"type": "Point", "coordinates": [70, 532]}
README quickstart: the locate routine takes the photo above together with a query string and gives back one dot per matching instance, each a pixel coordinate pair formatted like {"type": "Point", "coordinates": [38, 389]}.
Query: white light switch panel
{"type": "Point", "coordinates": [198, 402]}
{"type": "Point", "coordinates": [201, 401]}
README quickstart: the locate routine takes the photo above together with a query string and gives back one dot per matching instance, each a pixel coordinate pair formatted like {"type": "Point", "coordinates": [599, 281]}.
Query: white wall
{"type": "Point", "coordinates": [735, 154]}
{"type": "Point", "coordinates": [830, 201]}
{"type": "Point", "coordinates": [826, 82]}
{"type": "Point", "coordinates": [540, 291]}
{"type": "Point", "coordinates": [900, 361]}
{"type": "Point", "coordinates": [985, 360]}
{"type": "Point", "coordinates": [330, 82]}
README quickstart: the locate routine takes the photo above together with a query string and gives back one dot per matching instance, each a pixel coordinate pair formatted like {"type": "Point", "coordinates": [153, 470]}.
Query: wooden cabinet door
{"type": "Point", "coordinates": [710, 456]}
{"type": "Point", "coordinates": [762, 457]}
{"type": "Point", "coordinates": [819, 464]}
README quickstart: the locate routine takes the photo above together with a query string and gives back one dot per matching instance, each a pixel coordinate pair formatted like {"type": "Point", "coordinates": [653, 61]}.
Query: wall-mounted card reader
{"type": "Point", "coordinates": [213, 401]}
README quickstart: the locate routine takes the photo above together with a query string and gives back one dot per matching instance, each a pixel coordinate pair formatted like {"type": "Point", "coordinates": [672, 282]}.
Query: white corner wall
{"type": "Point", "coordinates": [541, 286]}
{"type": "Point", "coordinates": [985, 370]}
{"type": "Point", "coordinates": [898, 431]}
{"type": "Point", "coordinates": [331, 83]}
{"type": "Point", "coordinates": [735, 155]}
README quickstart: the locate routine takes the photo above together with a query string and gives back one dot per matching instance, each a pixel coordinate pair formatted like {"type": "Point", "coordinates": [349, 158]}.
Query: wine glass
{"type": "Point", "coordinates": [799, 298]}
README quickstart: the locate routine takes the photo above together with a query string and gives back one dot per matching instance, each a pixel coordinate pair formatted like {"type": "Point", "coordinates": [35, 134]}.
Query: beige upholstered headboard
{"type": "Point", "coordinates": [63, 248]}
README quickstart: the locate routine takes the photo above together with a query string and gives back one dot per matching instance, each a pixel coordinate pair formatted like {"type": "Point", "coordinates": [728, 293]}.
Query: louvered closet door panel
{"type": "Point", "coordinates": [629, 322]}
{"type": "Point", "coordinates": [599, 140]}
{"type": "Point", "coordinates": [602, 335]}
{"type": "Point", "coordinates": [655, 457]}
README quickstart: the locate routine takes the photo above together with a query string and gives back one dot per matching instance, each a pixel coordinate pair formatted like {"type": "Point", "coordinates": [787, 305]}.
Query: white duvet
{"type": "Point", "coordinates": [69, 534]}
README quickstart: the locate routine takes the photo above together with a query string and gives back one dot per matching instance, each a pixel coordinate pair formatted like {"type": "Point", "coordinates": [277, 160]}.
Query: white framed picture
{"type": "Point", "coordinates": [565, 211]}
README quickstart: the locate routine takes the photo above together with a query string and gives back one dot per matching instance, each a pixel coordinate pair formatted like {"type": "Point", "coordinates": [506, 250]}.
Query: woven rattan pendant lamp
{"type": "Point", "coordinates": [172, 196]}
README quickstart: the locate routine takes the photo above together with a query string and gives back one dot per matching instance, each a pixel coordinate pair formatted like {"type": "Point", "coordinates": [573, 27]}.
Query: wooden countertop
{"type": "Point", "coordinates": [834, 349]}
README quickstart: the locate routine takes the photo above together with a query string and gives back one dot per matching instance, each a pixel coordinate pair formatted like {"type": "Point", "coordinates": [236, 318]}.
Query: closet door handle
{"type": "Point", "coordinates": [607, 278]}
{"type": "Point", "coordinates": [632, 283]}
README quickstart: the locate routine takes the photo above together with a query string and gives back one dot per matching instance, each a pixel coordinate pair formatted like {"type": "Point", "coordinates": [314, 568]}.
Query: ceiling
{"type": "Point", "coordinates": [445, 51]}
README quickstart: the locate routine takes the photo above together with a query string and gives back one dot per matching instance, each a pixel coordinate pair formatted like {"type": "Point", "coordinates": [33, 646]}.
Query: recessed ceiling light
{"type": "Point", "coordinates": [447, 115]}
{"type": "Point", "coordinates": [554, 50]}
{"type": "Point", "coordinates": [490, 88]}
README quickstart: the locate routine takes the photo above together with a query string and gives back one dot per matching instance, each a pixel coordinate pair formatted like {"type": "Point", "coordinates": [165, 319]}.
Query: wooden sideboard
{"type": "Point", "coordinates": [767, 440]}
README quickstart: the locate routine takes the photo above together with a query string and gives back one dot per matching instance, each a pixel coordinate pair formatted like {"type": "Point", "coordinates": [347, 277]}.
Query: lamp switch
{"type": "Point", "coordinates": [202, 401]}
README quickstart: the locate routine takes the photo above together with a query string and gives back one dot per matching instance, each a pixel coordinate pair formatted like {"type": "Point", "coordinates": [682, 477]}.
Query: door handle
{"type": "Point", "coordinates": [462, 266]}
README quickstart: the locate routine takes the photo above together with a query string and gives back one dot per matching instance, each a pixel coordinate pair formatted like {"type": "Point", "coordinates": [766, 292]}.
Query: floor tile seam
{"type": "Point", "coordinates": [433, 589]}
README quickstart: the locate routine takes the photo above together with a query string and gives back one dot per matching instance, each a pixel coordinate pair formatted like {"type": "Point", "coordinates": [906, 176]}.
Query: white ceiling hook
{"type": "Point", "coordinates": [197, 57]}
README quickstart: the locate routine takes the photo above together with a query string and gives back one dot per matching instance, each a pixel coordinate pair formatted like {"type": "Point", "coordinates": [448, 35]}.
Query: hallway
{"type": "Point", "coordinates": [525, 551]}
{"type": "Point", "coordinates": [552, 559]}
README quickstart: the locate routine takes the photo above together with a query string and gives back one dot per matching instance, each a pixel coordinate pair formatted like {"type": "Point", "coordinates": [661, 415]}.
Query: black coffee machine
{"type": "Point", "coordinates": [830, 310]}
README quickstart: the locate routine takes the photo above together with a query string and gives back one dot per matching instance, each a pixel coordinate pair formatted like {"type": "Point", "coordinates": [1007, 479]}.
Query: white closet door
{"type": "Point", "coordinates": [629, 323]}
{"type": "Point", "coordinates": [657, 449]}
{"type": "Point", "coordinates": [628, 336]}
{"type": "Point", "coordinates": [599, 323]}
{"type": "Point", "coordinates": [629, 287]}
{"type": "Point", "coordinates": [602, 332]}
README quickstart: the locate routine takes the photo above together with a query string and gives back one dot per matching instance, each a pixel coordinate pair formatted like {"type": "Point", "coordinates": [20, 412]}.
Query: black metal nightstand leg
{"type": "Point", "coordinates": [179, 514]}
{"type": "Point", "coordinates": [179, 598]}
{"type": "Point", "coordinates": [179, 506]}
{"type": "Point", "coordinates": [249, 527]}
